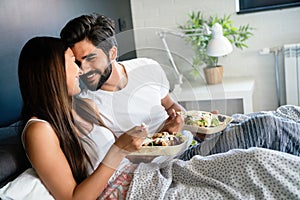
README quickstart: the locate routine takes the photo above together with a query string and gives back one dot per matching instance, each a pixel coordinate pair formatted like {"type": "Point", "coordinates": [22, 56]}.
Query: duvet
{"type": "Point", "coordinates": [255, 173]}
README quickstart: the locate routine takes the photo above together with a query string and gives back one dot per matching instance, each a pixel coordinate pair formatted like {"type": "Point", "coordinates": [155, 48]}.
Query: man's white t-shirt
{"type": "Point", "coordinates": [138, 102]}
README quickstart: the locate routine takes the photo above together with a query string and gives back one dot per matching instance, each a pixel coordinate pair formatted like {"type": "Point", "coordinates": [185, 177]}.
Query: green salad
{"type": "Point", "coordinates": [204, 119]}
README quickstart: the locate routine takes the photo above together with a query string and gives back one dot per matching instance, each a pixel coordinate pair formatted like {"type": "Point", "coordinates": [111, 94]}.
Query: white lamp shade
{"type": "Point", "coordinates": [218, 45]}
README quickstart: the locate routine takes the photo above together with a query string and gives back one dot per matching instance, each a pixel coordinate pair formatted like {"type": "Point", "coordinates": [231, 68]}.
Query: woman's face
{"type": "Point", "coordinates": [72, 72]}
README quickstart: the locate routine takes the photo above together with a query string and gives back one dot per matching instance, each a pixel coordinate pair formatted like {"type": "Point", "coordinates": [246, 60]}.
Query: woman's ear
{"type": "Point", "coordinates": [113, 53]}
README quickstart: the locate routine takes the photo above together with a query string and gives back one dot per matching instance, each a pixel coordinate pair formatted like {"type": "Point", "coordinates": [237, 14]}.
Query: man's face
{"type": "Point", "coordinates": [94, 63]}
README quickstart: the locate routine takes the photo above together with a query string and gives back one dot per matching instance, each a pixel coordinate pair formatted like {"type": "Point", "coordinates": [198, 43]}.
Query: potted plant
{"type": "Point", "coordinates": [196, 34]}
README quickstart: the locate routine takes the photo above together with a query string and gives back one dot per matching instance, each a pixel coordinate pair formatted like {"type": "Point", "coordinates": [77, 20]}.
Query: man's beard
{"type": "Point", "coordinates": [103, 78]}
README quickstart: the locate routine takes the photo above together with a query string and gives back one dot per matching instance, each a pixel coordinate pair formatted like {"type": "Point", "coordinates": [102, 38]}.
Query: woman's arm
{"type": "Point", "coordinates": [50, 163]}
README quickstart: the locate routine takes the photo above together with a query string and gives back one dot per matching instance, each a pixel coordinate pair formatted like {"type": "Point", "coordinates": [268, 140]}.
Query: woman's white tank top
{"type": "Point", "coordinates": [102, 137]}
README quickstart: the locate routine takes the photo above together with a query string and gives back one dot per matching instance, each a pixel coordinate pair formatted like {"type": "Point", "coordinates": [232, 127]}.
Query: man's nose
{"type": "Point", "coordinates": [85, 67]}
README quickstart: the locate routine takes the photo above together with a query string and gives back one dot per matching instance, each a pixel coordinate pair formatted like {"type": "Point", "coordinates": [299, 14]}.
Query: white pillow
{"type": "Point", "coordinates": [26, 186]}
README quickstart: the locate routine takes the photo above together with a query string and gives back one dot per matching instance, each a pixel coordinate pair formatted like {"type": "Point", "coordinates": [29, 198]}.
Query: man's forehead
{"type": "Point", "coordinates": [82, 49]}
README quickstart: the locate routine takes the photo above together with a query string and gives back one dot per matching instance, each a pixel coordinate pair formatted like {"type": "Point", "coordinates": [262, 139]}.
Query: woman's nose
{"type": "Point", "coordinates": [80, 72]}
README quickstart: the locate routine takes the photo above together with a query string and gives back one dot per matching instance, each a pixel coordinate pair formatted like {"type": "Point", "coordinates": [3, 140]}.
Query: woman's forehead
{"type": "Point", "coordinates": [69, 52]}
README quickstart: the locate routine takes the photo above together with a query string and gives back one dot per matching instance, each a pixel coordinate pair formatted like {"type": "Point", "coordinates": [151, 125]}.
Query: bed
{"type": "Point", "coordinates": [18, 180]}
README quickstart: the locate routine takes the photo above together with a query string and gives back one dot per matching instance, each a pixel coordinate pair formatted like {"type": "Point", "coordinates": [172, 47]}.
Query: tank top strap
{"type": "Point", "coordinates": [28, 123]}
{"type": "Point", "coordinates": [34, 120]}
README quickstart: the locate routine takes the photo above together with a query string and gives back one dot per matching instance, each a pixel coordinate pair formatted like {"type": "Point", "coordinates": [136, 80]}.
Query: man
{"type": "Point", "coordinates": [136, 91]}
{"type": "Point", "coordinates": [127, 93]}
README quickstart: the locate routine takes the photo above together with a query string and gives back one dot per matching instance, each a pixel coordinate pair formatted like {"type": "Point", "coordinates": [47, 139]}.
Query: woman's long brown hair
{"type": "Point", "coordinates": [42, 80]}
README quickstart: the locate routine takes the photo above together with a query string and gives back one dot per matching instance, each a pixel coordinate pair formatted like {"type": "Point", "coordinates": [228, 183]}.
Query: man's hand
{"type": "Point", "coordinates": [215, 112]}
{"type": "Point", "coordinates": [174, 123]}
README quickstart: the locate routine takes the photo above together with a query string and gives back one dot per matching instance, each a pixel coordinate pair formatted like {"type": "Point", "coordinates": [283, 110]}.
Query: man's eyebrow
{"type": "Point", "coordinates": [89, 55]}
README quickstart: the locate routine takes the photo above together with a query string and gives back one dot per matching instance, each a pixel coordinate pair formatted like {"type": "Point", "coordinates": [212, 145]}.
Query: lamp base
{"type": "Point", "coordinates": [213, 75]}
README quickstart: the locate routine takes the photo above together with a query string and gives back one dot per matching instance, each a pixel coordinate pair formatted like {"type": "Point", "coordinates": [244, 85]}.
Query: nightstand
{"type": "Point", "coordinates": [234, 95]}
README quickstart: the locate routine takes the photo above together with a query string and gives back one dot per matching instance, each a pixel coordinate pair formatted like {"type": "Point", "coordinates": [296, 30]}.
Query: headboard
{"type": "Point", "coordinates": [10, 101]}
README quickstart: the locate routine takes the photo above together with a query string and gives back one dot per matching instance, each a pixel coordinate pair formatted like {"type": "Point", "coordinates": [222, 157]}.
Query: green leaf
{"type": "Point", "coordinates": [237, 35]}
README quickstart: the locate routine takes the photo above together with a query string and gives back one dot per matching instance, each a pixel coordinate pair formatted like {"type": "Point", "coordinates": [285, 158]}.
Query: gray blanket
{"type": "Point", "coordinates": [255, 173]}
{"type": "Point", "coordinates": [278, 130]}
{"type": "Point", "coordinates": [254, 170]}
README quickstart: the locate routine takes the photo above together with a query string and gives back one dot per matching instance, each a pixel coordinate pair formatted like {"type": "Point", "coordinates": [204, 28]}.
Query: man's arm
{"type": "Point", "coordinates": [170, 104]}
{"type": "Point", "coordinates": [175, 121]}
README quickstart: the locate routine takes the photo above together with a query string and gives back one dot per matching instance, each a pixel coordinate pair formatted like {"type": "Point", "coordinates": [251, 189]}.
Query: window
{"type": "Point", "coordinates": [247, 6]}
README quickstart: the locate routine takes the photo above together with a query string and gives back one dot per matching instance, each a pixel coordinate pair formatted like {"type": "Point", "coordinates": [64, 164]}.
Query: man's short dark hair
{"type": "Point", "coordinates": [98, 29]}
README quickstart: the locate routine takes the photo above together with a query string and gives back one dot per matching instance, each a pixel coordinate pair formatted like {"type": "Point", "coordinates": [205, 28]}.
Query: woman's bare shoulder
{"type": "Point", "coordinates": [38, 131]}
{"type": "Point", "coordinates": [35, 125]}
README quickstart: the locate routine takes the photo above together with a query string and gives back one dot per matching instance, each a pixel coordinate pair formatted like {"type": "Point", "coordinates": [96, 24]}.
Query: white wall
{"type": "Point", "coordinates": [272, 29]}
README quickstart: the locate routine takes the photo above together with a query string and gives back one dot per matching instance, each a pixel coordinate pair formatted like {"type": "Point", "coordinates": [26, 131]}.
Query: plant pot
{"type": "Point", "coordinates": [213, 75]}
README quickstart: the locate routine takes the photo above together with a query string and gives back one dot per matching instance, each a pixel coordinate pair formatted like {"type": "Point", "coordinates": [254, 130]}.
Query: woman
{"type": "Point", "coordinates": [55, 136]}
{"type": "Point", "coordinates": [77, 157]}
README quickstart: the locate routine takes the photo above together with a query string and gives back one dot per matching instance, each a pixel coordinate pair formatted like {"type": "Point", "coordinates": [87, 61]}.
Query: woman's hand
{"type": "Point", "coordinates": [132, 140]}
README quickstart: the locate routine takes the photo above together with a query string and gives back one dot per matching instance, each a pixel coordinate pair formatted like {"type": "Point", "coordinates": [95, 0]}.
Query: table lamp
{"type": "Point", "coordinates": [217, 46]}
